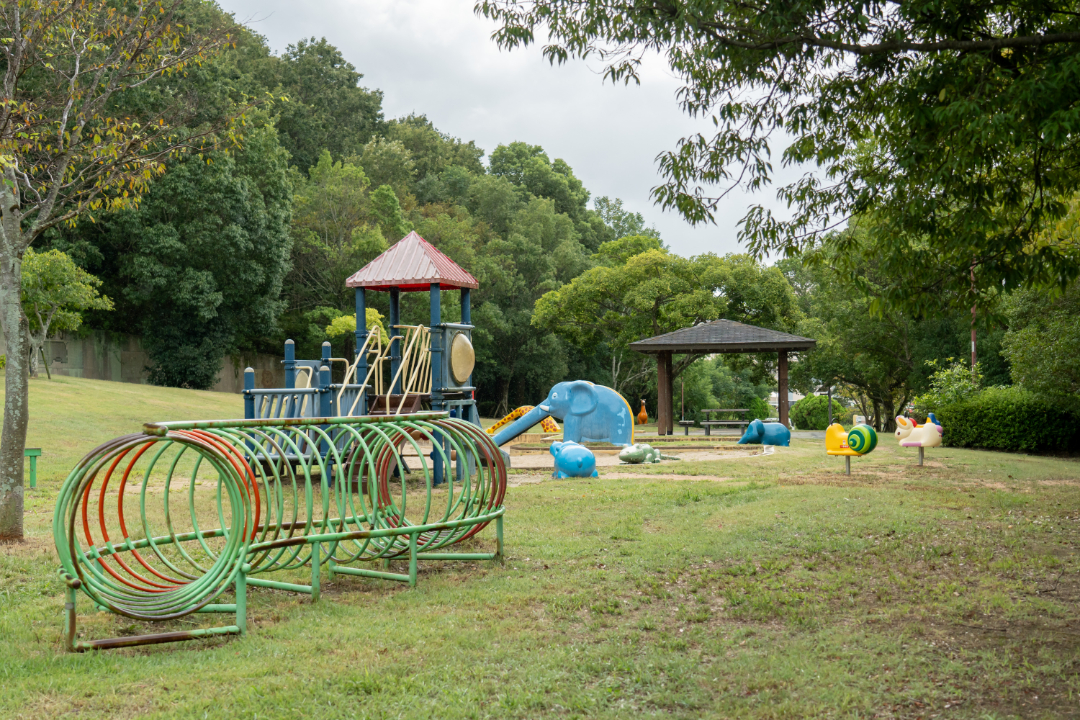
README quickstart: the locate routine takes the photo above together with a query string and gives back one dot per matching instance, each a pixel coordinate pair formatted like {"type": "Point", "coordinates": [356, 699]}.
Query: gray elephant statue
{"type": "Point", "coordinates": [763, 433]}
{"type": "Point", "coordinates": [589, 413]}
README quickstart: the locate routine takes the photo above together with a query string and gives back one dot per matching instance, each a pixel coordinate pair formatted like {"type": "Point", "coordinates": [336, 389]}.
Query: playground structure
{"type": "Point", "coordinates": [589, 413]}
{"type": "Point", "coordinates": [419, 365]}
{"type": "Point", "coordinates": [251, 496]}
{"type": "Point", "coordinates": [860, 440]}
{"type": "Point", "coordinates": [414, 366]}
{"type": "Point", "coordinates": [911, 434]}
{"type": "Point", "coordinates": [547, 424]}
{"type": "Point", "coordinates": [642, 453]}
{"type": "Point", "coordinates": [763, 433]}
{"type": "Point", "coordinates": [572, 460]}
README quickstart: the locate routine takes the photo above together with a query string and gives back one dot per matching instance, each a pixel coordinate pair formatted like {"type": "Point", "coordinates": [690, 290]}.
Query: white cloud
{"type": "Point", "coordinates": [436, 57]}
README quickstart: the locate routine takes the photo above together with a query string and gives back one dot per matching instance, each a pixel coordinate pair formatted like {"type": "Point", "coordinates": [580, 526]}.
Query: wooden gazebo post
{"type": "Point", "coordinates": [782, 389]}
{"type": "Point", "coordinates": [664, 393]}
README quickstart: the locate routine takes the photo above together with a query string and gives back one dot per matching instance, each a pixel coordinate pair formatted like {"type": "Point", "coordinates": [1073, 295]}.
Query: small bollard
{"type": "Point", "coordinates": [33, 454]}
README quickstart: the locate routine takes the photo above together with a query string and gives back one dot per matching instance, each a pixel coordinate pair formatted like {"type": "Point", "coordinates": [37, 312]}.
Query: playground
{"type": "Point", "coordinates": [377, 538]}
{"type": "Point", "coordinates": [760, 586]}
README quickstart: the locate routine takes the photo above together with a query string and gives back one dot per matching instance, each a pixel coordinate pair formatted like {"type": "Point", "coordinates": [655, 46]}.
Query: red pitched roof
{"type": "Point", "coordinates": [411, 264]}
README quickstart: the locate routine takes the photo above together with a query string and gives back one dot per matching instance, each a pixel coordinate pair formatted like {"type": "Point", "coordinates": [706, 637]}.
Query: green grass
{"type": "Point", "coordinates": [789, 590]}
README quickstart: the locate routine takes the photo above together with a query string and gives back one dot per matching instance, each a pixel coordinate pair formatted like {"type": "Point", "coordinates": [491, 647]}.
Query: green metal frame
{"type": "Point", "coordinates": [273, 511]}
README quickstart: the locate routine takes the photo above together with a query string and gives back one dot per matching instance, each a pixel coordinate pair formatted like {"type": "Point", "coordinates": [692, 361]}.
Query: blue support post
{"type": "Point", "coordinates": [249, 399]}
{"type": "Point", "coordinates": [361, 318]}
{"type": "Point", "coordinates": [395, 346]}
{"type": "Point", "coordinates": [290, 365]}
{"type": "Point", "coordinates": [325, 395]}
{"type": "Point", "coordinates": [361, 338]}
{"type": "Point", "coordinates": [470, 413]}
{"type": "Point", "coordinates": [436, 373]}
{"type": "Point", "coordinates": [327, 351]}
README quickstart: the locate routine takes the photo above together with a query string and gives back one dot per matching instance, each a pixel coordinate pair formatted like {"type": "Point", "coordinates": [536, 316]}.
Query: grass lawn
{"type": "Point", "coordinates": [777, 588]}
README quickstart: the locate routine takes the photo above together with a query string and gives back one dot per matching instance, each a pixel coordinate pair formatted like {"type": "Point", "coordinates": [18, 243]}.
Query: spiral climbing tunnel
{"type": "Point", "coordinates": [164, 523]}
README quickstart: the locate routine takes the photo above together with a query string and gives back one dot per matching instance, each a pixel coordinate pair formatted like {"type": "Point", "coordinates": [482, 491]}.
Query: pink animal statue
{"type": "Point", "coordinates": [911, 435]}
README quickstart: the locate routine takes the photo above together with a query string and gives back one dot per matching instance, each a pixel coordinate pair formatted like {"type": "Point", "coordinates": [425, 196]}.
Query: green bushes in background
{"type": "Point", "coordinates": [811, 413]}
{"type": "Point", "coordinates": [1011, 419]}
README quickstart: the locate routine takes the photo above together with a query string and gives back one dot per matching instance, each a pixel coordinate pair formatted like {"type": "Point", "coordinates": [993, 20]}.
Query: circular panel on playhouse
{"type": "Point", "coordinates": [462, 358]}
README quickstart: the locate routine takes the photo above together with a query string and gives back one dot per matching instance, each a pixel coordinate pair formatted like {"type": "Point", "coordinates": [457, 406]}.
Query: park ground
{"type": "Point", "coordinates": [762, 587]}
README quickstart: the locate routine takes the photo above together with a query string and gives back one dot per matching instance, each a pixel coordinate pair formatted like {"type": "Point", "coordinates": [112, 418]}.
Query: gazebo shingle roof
{"type": "Point", "coordinates": [723, 336]}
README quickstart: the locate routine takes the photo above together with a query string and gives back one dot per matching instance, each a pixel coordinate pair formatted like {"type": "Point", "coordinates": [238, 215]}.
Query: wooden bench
{"type": "Point", "coordinates": [739, 424]}
{"type": "Point", "coordinates": [686, 425]}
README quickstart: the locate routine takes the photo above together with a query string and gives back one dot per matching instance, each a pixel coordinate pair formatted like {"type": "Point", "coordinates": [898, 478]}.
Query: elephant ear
{"type": "Point", "coordinates": [582, 399]}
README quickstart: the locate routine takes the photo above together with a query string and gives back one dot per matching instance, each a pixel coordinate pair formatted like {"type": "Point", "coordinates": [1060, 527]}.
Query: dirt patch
{"type": "Point", "coordinates": [659, 476]}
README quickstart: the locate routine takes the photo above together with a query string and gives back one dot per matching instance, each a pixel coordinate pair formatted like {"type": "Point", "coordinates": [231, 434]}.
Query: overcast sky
{"type": "Point", "coordinates": [437, 58]}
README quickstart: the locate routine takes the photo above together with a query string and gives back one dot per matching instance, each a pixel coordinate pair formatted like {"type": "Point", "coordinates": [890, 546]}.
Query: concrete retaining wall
{"type": "Point", "coordinates": [123, 359]}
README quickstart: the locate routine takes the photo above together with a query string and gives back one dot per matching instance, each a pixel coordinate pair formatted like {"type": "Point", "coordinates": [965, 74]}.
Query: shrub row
{"type": "Point", "coordinates": [1011, 419]}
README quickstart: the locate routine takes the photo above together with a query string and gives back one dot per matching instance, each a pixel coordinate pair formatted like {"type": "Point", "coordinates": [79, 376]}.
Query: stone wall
{"type": "Point", "coordinates": [123, 359]}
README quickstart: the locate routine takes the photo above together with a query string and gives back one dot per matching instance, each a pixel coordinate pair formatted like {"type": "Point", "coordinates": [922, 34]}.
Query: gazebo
{"type": "Point", "coordinates": [718, 336]}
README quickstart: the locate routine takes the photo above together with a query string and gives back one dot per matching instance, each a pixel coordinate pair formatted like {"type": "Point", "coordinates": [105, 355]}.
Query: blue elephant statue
{"type": "Point", "coordinates": [589, 413]}
{"type": "Point", "coordinates": [572, 460]}
{"type": "Point", "coordinates": [762, 433]}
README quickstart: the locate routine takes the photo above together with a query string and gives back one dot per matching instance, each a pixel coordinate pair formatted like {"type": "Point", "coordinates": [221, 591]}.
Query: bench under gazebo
{"type": "Point", "coordinates": [711, 338]}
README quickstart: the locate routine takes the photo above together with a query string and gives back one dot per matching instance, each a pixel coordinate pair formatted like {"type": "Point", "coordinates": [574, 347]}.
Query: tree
{"type": "Point", "coordinates": [197, 270]}
{"type": "Point", "coordinates": [335, 234]}
{"type": "Point", "coordinates": [874, 350]}
{"type": "Point", "coordinates": [622, 222]}
{"type": "Point", "coordinates": [640, 290]}
{"type": "Point", "coordinates": [434, 152]}
{"type": "Point", "coordinates": [326, 109]}
{"type": "Point", "coordinates": [55, 291]}
{"type": "Point", "coordinates": [387, 162]}
{"type": "Point", "coordinates": [952, 121]}
{"type": "Point", "coordinates": [528, 168]}
{"type": "Point", "coordinates": [1043, 342]}
{"type": "Point", "coordinates": [539, 253]}
{"type": "Point", "coordinates": [65, 150]}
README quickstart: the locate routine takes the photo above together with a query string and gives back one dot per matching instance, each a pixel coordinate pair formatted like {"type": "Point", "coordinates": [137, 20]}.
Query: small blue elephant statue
{"type": "Point", "coordinates": [589, 413]}
{"type": "Point", "coordinates": [573, 460]}
{"type": "Point", "coordinates": [761, 433]}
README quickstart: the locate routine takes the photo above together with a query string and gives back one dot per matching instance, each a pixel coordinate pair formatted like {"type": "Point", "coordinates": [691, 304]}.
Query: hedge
{"type": "Point", "coordinates": [1011, 419]}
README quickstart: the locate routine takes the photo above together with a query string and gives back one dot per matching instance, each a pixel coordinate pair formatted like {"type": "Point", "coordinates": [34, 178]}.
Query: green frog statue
{"type": "Point", "coordinates": [642, 453]}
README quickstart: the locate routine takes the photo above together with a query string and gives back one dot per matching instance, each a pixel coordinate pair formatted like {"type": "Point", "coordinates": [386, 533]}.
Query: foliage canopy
{"type": "Point", "coordinates": [953, 122]}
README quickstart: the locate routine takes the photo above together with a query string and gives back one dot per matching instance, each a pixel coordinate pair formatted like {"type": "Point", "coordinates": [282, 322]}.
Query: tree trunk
{"type": "Point", "coordinates": [503, 408]}
{"type": "Point", "coordinates": [888, 423]}
{"type": "Point", "coordinates": [16, 399]}
{"type": "Point", "coordinates": [35, 352]}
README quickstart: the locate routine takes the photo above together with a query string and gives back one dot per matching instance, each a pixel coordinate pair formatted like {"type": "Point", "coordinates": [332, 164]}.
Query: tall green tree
{"type": "Point", "coordinates": [529, 169]}
{"type": "Point", "coordinates": [327, 109]}
{"type": "Point", "coordinates": [197, 270]}
{"type": "Point", "coordinates": [1043, 342]}
{"type": "Point", "coordinates": [335, 233]}
{"type": "Point", "coordinates": [951, 121]}
{"type": "Point", "coordinates": [69, 146]}
{"type": "Point", "coordinates": [878, 354]}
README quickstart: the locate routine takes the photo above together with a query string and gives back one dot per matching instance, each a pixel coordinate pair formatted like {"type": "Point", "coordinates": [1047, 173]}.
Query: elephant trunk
{"type": "Point", "coordinates": [522, 424]}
